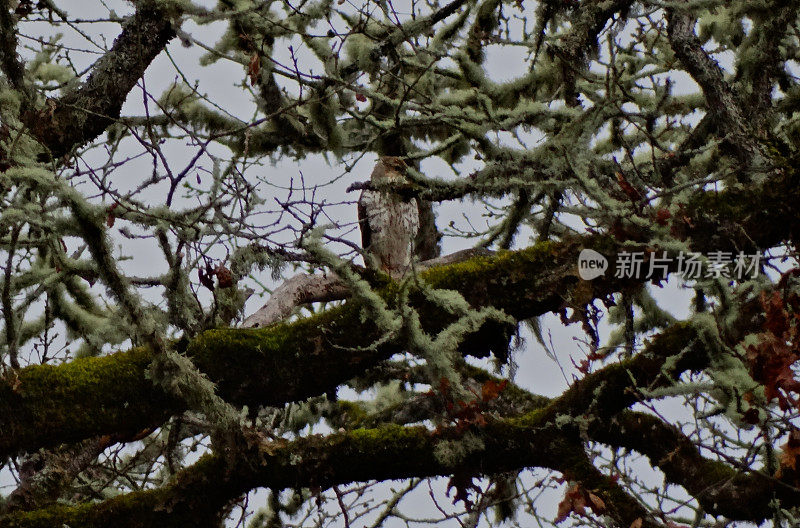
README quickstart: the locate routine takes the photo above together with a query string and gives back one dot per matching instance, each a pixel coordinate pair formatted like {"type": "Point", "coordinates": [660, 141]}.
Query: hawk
{"type": "Point", "coordinates": [389, 222]}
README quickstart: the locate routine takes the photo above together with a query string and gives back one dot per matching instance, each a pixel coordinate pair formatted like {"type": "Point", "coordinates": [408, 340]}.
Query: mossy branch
{"type": "Point", "coordinates": [198, 493]}
{"type": "Point", "coordinates": [45, 405]}
{"type": "Point", "coordinates": [48, 405]}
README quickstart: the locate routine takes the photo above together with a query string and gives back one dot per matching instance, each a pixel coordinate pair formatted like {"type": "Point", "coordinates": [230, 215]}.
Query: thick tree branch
{"type": "Point", "coordinates": [328, 461]}
{"type": "Point", "coordinates": [10, 63]}
{"type": "Point", "coordinates": [201, 490]}
{"type": "Point", "coordinates": [719, 488]}
{"type": "Point", "coordinates": [760, 67]}
{"type": "Point", "coordinates": [589, 20]}
{"type": "Point", "coordinates": [46, 474]}
{"type": "Point", "coordinates": [305, 289]}
{"type": "Point", "coordinates": [95, 396]}
{"type": "Point", "coordinates": [723, 102]}
{"type": "Point", "coordinates": [48, 405]}
{"type": "Point", "coordinates": [83, 113]}
{"type": "Point", "coordinates": [389, 78]}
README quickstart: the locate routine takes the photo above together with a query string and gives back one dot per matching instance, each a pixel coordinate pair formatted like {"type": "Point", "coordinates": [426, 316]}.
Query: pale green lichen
{"type": "Point", "coordinates": [451, 453]}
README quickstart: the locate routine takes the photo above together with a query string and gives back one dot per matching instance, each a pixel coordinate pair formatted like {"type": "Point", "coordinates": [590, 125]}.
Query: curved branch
{"type": "Point", "coordinates": [719, 488]}
{"type": "Point", "coordinates": [47, 405]}
{"type": "Point", "coordinates": [199, 492]}
{"type": "Point", "coordinates": [10, 63]}
{"type": "Point", "coordinates": [765, 65]}
{"type": "Point", "coordinates": [83, 113]}
{"type": "Point", "coordinates": [723, 103]}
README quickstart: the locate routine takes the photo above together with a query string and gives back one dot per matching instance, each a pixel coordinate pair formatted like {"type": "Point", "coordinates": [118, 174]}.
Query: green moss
{"type": "Point", "coordinates": [386, 436]}
{"type": "Point", "coordinates": [52, 404]}
{"type": "Point", "coordinates": [157, 507]}
{"type": "Point", "coordinates": [457, 273]}
{"type": "Point", "coordinates": [354, 412]}
{"type": "Point", "coordinates": [489, 278]}
{"type": "Point", "coordinates": [95, 395]}
{"type": "Point", "coordinates": [529, 420]}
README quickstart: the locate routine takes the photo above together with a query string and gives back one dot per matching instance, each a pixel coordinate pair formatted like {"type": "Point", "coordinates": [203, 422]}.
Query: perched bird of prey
{"type": "Point", "coordinates": [389, 223]}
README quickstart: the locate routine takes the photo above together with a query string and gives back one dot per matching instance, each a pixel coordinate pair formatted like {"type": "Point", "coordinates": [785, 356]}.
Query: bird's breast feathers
{"type": "Point", "coordinates": [393, 224]}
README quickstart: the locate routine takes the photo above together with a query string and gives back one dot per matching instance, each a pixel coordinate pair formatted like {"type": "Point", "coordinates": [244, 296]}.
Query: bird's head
{"type": "Point", "coordinates": [390, 169]}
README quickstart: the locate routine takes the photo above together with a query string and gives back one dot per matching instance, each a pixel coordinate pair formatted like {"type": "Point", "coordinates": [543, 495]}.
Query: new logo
{"type": "Point", "coordinates": [591, 264]}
